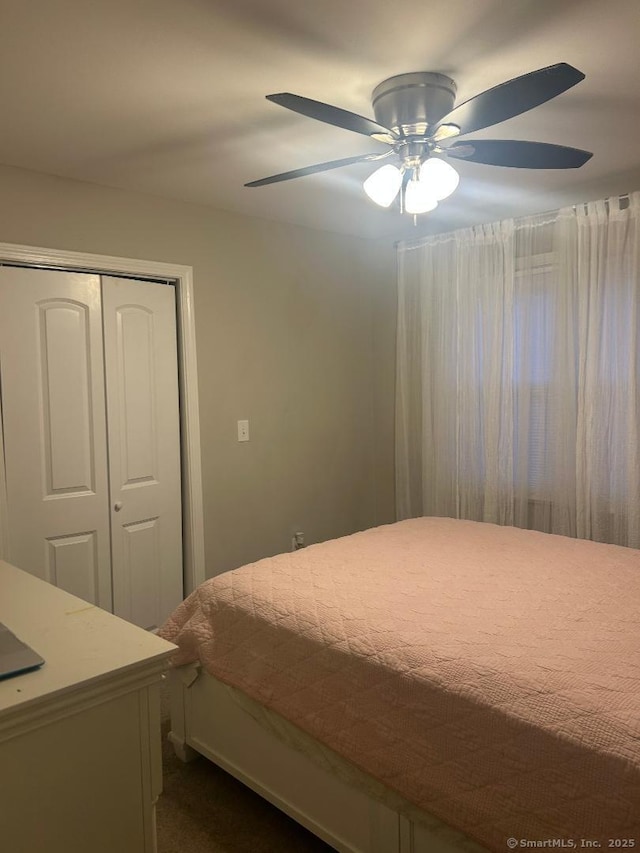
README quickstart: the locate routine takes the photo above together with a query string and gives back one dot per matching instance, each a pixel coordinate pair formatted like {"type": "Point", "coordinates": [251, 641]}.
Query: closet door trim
{"type": "Point", "coordinates": [182, 276]}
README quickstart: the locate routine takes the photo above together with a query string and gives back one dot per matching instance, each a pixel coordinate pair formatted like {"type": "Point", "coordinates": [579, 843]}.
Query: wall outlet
{"type": "Point", "coordinates": [243, 430]}
{"type": "Point", "coordinates": [298, 541]}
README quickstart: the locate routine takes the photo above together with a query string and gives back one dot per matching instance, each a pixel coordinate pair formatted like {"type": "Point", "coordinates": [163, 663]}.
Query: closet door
{"type": "Point", "coordinates": [55, 447]}
{"type": "Point", "coordinates": [144, 448]}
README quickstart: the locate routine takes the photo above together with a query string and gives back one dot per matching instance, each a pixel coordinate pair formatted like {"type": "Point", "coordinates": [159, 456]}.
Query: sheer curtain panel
{"type": "Point", "coordinates": [517, 373]}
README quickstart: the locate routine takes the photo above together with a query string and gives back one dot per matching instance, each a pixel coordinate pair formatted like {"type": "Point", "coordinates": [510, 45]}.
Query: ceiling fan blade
{"type": "Point", "coordinates": [519, 155]}
{"type": "Point", "coordinates": [319, 167]}
{"type": "Point", "coordinates": [513, 97]}
{"type": "Point", "coordinates": [332, 115]}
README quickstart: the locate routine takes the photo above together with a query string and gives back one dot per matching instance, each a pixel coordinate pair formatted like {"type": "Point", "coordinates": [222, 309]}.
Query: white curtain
{"type": "Point", "coordinates": [518, 364]}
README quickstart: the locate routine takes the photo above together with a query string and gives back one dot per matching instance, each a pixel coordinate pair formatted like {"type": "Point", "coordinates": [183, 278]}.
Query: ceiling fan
{"type": "Point", "coordinates": [416, 118]}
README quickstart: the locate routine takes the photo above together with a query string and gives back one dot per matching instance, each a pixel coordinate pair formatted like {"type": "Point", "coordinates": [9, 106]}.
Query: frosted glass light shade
{"type": "Point", "coordinates": [384, 185]}
{"type": "Point", "coordinates": [419, 198]}
{"type": "Point", "coordinates": [440, 177]}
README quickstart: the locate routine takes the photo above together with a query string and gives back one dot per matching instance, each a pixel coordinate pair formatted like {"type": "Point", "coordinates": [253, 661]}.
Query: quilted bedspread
{"type": "Point", "coordinates": [490, 675]}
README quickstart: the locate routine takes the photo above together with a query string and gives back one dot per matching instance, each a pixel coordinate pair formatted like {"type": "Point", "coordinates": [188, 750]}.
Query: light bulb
{"type": "Point", "coordinates": [440, 177]}
{"type": "Point", "coordinates": [383, 185]}
{"type": "Point", "coordinates": [419, 198]}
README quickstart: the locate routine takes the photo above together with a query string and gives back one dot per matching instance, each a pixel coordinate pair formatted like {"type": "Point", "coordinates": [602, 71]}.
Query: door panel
{"type": "Point", "coordinates": [54, 431]}
{"type": "Point", "coordinates": [72, 564]}
{"type": "Point", "coordinates": [144, 448]}
{"type": "Point", "coordinates": [64, 332]}
{"type": "Point", "coordinates": [140, 559]}
{"type": "Point", "coordinates": [137, 389]}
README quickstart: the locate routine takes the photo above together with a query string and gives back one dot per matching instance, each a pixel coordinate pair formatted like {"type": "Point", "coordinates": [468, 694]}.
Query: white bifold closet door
{"type": "Point", "coordinates": [90, 428]}
{"type": "Point", "coordinates": [144, 448]}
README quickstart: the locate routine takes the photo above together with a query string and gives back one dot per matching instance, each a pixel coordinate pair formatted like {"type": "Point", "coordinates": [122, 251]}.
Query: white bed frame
{"type": "Point", "coordinates": [205, 720]}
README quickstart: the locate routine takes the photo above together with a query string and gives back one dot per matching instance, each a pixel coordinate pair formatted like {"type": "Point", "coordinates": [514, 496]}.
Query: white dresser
{"type": "Point", "coordinates": [80, 763]}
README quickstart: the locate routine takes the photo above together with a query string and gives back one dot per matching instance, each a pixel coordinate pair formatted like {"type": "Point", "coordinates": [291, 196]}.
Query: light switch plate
{"type": "Point", "coordinates": [243, 430]}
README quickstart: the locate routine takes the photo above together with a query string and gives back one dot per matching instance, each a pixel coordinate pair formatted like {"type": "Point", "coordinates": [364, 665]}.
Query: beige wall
{"type": "Point", "coordinates": [295, 331]}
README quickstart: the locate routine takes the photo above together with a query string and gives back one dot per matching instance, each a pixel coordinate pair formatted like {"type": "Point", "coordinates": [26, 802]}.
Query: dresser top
{"type": "Point", "coordinates": [80, 643]}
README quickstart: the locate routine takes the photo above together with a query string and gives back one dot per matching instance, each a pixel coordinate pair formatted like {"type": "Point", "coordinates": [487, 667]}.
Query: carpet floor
{"type": "Point", "coordinates": [203, 809]}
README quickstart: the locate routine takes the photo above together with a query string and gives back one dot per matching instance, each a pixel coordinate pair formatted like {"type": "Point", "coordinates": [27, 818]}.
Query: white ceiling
{"type": "Point", "coordinates": [167, 97]}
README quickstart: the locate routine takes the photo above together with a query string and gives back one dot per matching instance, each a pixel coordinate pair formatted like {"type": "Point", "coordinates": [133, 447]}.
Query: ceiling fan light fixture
{"type": "Point", "coordinates": [440, 178]}
{"type": "Point", "coordinates": [416, 111]}
{"type": "Point", "coordinates": [419, 197]}
{"type": "Point", "coordinates": [384, 184]}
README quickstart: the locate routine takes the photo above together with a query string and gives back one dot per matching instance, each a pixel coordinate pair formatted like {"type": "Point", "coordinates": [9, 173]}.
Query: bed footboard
{"type": "Point", "coordinates": [178, 732]}
{"type": "Point", "coordinates": [207, 721]}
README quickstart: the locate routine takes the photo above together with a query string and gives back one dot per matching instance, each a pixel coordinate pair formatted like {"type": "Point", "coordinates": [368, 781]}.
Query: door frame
{"type": "Point", "coordinates": [182, 277]}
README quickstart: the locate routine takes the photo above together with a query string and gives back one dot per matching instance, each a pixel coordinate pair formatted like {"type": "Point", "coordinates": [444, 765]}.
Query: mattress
{"type": "Point", "coordinates": [489, 675]}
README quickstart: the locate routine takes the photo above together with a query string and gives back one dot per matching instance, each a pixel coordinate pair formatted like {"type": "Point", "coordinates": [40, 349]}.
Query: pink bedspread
{"type": "Point", "coordinates": [488, 674]}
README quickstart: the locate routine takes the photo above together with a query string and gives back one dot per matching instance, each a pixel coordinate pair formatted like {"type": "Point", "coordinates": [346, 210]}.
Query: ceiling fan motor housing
{"type": "Point", "coordinates": [409, 104]}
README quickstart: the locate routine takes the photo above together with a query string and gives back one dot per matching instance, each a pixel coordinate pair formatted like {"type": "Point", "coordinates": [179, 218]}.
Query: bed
{"type": "Point", "coordinates": [429, 685]}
